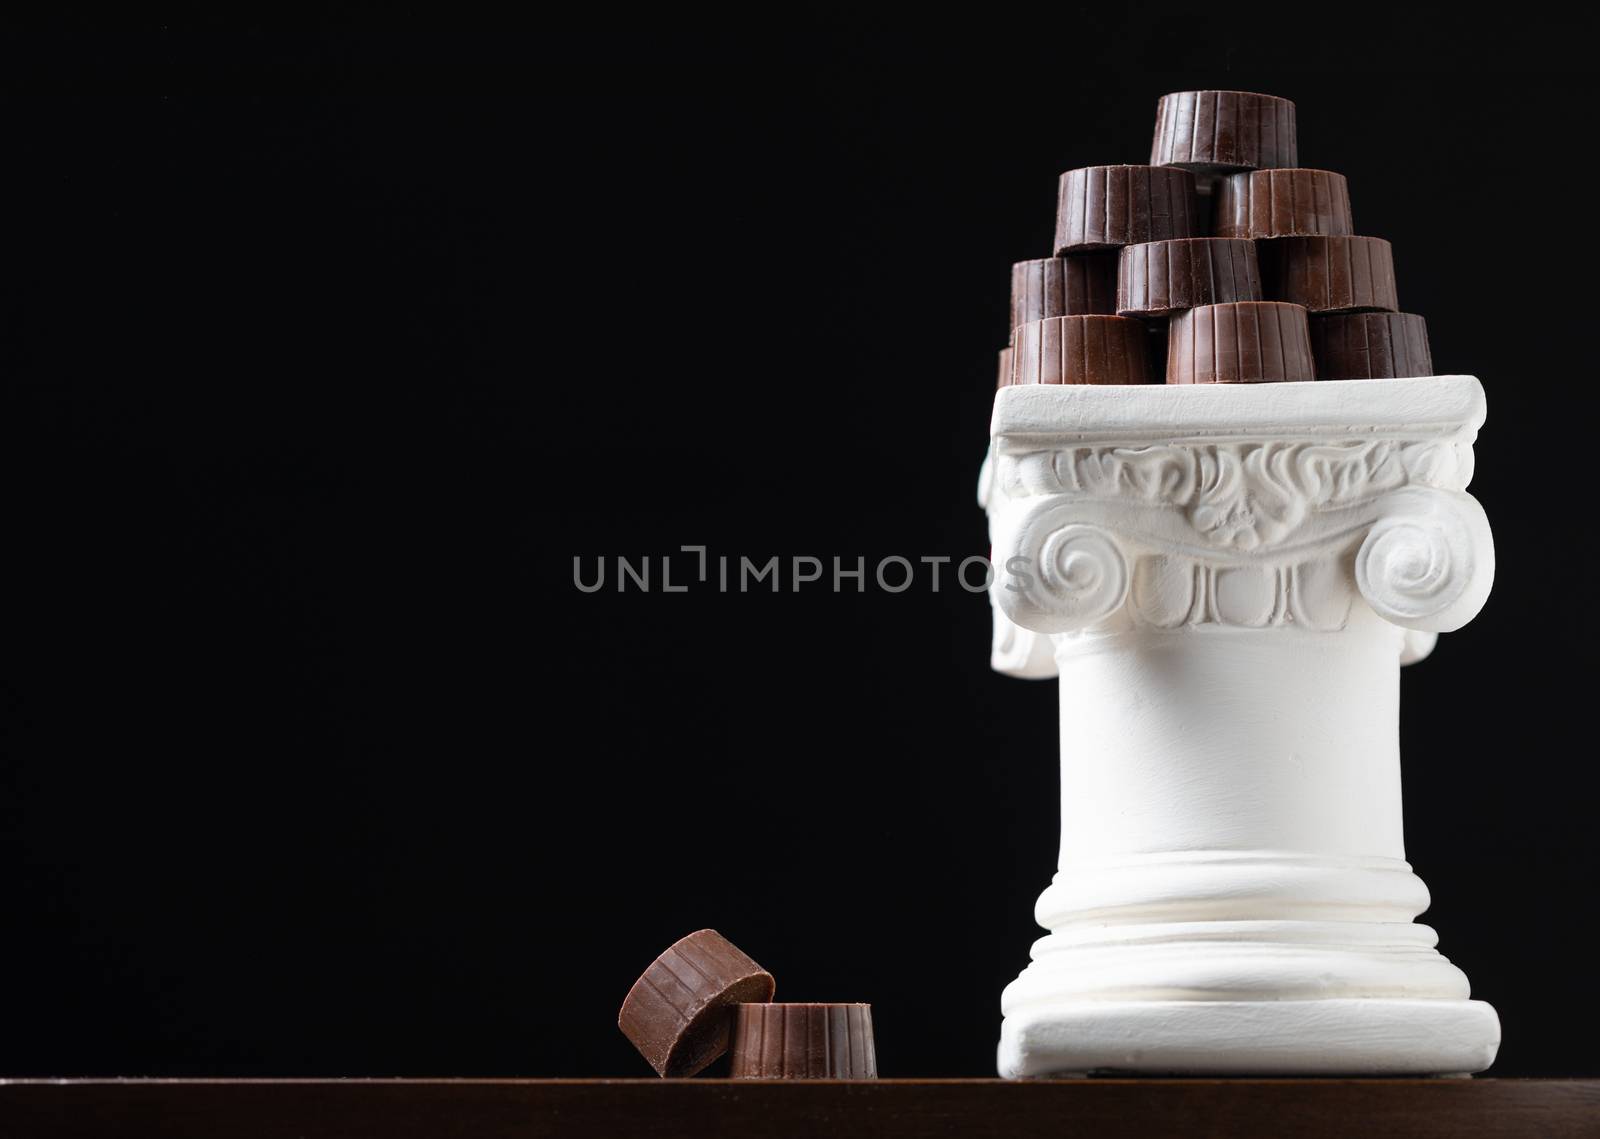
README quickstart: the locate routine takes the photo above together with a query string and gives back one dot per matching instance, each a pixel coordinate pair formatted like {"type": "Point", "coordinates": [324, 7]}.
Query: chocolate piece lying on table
{"type": "Point", "coordinates": [1160, 277]}
{"type": "Point", "coordinates": [1223, 131]}
{"type": "Point", "coordinates": [679, 1015]}
{"type": "Point", "coordinates": [1105, 207]}
{"type": "Point", "coordinates": [1082, 350]}
{"type": "Point", "coordinates": [1332, 274]}
{"type": "Point", "coordinates": [1247, 342]}
{"type": "Point", "coordinates": [804, 1042]}
{"type": "Point", "coordinates": [1371, 346]}
{"type": "Point", "coordinates": [1081, 284]}
{"type": "Point", "coordinates": [1283, 203]}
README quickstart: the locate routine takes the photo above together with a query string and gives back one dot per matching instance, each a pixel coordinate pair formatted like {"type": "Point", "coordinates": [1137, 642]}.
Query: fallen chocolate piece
{"type": "Point", "coordinates": [804, 1042]}
{"type": "Point", "coordinates": [1003, 377]}
{"type": "Point", "coordinates": [1371, 346]}
{"type": "Point", "coordinates": [679, 1015]}
{"type": "Point", "coordinates": [1223, 131]}
{"type": "Point", "coordinates": [1082, 284]}
{"type": "Point", "coordinates": [1247, 342]}
{"type": "Point", "coordinates": [1104, 207]}
{"type": "Point", "coordinates": [1332, 274]}
{"type": "Point", "coordinates": [1283, 203]}
{"type": "Point", "coordinates": [1160, 277]}
{"type": "Point", "coordinates": [1082, 350]}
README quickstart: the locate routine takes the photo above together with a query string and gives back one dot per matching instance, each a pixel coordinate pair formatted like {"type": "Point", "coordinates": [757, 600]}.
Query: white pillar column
{"type": "Point", "coordinates": [1230, 578]}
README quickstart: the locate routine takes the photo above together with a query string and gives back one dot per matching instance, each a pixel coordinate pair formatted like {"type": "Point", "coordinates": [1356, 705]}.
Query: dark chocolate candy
{"type": "Point", "coordinates": [1283, 203]}
{"type": "Point", "coordinates": [1371, 345]}
{"type": "Point", "coordinates": [1247, 342]}
{"type": "Point", "coordinates": [679, 1015]}
{"type": "Point", "coordinates": [1003, 377]}
{"type": "Point", "coordinates": [804, 1042]}
{"type": "Point", "coordinates": [1160, 277]}
{"type": "Point", "coordinates": [1332, 274]}
{"type": "Point", "coordinates": [1105, 207]}
{"type": "Point", "coordinates": [1223, 131]}
{"type": "Point", "coordinates": [1082, 350]}
{"type": "Point", "coordinates": [1081, 284]}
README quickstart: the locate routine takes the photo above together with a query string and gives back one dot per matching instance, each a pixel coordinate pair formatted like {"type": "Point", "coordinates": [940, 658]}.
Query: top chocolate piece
{"type": "Point", "coordinates": [1219, 132]}
{"type": "Point", "coordinates": [1107, 207]}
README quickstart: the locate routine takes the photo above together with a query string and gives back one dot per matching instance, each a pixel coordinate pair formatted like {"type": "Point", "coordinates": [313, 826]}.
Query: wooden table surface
{"type": "Point", "coordinates": [881, 1109]}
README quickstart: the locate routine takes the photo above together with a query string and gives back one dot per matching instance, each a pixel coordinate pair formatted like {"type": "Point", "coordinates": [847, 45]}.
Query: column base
{"type": "Point", "coordinates": [1360, 1036]}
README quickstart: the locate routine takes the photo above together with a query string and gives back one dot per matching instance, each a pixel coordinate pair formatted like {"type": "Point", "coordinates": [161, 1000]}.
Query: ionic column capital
{"type": "Point", "coordinates": [1250, 505]}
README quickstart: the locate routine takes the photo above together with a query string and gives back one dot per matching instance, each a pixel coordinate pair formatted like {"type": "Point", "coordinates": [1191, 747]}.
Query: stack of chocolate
{"type": "Point", "coordinates": [704, 998]}
{"type": "Point", "coordinates": [1222, 257]}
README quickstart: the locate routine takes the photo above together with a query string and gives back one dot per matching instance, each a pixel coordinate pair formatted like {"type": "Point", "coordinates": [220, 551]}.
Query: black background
{"type": "Point", "coordinates": [327, 349]}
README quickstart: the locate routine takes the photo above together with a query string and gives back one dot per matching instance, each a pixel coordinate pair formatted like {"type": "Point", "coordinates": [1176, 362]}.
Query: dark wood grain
{"type": "Point", "coordinates": [882, 1109]}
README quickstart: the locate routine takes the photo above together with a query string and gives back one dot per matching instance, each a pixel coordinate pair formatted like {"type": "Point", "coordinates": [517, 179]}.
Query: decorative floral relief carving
{"type": "Point", "coordinates": [1241, 495]}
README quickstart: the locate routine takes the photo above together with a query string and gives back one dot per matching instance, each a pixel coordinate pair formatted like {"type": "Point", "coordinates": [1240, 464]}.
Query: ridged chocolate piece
{"type": "Point", "coordinates": [1082, 350]}
{"type": "Point", "coordinates": [1003, 377]}
{"type": "Point", "coordinates": [1082, 284]}
{"type": "Point", "coordinates": [1161, 277]}
{"type": "Point", "coordinates": [1105, 207]}
{"type": "Point", "coordinates": [1371, 346]}
{"type": "Point", "coordinates": [1247, 342]}
{"type": "Point", "coordinates": [1218, 131]}
{"type": "Point", "coordinates": [804, 1042]}
{"type": "Point", "coordinates": [1283, 203]}
{"type": "Point", "coordinates": [679, 1015]}
{"type": "Point", "coordinates": [1333, 274]}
